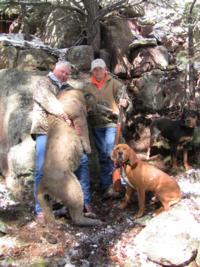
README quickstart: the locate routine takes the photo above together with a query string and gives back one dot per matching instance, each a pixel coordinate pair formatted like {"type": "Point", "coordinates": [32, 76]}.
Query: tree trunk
{"type": "Point", "coordinates": [191, 74]}
{"type": "Point", "coordinates": [4, 166]}
{"type": "Point", "coordinates": [93, 24]}
{"type": "Point", "coordinates": [25, 23]}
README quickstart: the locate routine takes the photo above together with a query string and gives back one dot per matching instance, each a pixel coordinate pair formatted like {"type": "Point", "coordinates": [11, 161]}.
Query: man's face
{"type": "Point", "coordinates": [62, 73]}
{"type": "Point", "coordinates": [99, 73]}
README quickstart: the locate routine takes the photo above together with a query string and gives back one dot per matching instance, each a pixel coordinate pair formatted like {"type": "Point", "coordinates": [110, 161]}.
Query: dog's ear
{"type": "Point", "coordinates": [113, 154]}
{"type": "Point", "coordinates": [132, 157]}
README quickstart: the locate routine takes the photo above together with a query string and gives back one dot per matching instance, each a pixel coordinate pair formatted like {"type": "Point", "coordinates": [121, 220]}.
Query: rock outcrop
{"type": "Point", "coordinates": [16, 145]}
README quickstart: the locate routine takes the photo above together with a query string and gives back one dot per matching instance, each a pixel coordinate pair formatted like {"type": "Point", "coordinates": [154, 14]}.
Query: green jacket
{"type": "Point", "coordinates": [107, 99]}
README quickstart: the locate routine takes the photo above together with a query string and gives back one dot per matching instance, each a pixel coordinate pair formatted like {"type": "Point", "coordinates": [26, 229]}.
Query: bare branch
{"type": "Point", "coordinates": [191, 9]}
{"type": "Point", "coordinates": [77, 4]}
{"type": "Point", "coordinates": [139, 3]}
{"type": "Point", "coordinates": [80, 11]}
{"type": "Point", "coordinates": [116, 6]}
{"type": "Point", "coordinates": [111, 8]}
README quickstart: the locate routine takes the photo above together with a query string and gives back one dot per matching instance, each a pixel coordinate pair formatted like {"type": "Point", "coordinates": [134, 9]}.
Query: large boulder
{"type": "Point", "coordinates": [171, 239]}
{"type": "Point", "coordinates": [158, 89]}
{"type": "Point", "coordinates": [146, 29]}
{"type": "Point", "coordinates": [25, 55]}
{"type": "Point", "coordinates": [143, 42]}
{"type": "Point", "coordinates": [117, 37]}
{"type": "Point", "coordinates": [8, 56]}
{"type": "Point", "coordinates": [33, 59]}
{"type": "Point", "coordinates": [16, 145]}
{"type": "Point", "coordinates": [62, 28]}
{"type": "Point", "coordinates": [146, 59]}
{"type": "Point", "coordinates": [81, 56]}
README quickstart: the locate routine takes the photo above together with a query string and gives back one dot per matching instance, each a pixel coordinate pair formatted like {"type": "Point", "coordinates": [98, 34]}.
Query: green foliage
{"type": "Point", "coordinates": [191, 21]}
{"type": "Point", "coordinates": [195, 12]}
{"type": "Point", "coordinates": [183, 60]}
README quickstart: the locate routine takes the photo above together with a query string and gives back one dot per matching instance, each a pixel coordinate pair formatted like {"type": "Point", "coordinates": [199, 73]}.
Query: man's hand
{"type": "Point", "coordinates": [65, 117]}
{"type": "Point", "coordinates": [123, 102]}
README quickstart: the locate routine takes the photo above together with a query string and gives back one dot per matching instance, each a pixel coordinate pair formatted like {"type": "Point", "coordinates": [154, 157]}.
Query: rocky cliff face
{"type": "Point", "coordinates": [16, 145]}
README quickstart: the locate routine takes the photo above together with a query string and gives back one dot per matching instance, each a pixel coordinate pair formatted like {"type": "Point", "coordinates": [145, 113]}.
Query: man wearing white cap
{"type": "Point", "coordinates": [45, 102]}
{"type": "Point", "coordinates": [106, 91]}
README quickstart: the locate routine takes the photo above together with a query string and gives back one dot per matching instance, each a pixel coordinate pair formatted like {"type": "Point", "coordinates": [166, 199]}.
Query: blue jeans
{"type": "Point", "coordinates": [82, 172]}
{"type": "Point", "coordinates": [104, 139]}
{"type": "Point", "coordinates": [83, 175]}
{"type": "Point", "coordinates": [39, 161]}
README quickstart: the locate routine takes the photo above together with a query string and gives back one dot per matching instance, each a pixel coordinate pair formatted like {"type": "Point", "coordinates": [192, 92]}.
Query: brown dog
{"type": "Point", "coordinates": [142, 177]}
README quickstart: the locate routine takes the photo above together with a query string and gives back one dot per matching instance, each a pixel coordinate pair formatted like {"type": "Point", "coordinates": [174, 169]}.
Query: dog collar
{"type": "Point", "coordinates": [123, 164]}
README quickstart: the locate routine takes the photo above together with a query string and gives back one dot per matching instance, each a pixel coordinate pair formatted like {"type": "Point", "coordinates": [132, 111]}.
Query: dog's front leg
{"type": "Point", "coordinates": [127, 197]}
{"type": "Point", "coordinates": [185, 160]}
{"type": "Point", "coordinates": [174, 156]}
{"type": "Point", "coordinates": [141, 200]}
{"type": "Point", "coordinates": [151, 142]}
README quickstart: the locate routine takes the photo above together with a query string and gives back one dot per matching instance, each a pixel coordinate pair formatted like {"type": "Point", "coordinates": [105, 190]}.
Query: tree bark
{"type": "Point", "coordinates": [25, 23]}
{"type": "Point", "coordinates": [93, 24]}
{"type": "Point", "coordinates": [191, 75]}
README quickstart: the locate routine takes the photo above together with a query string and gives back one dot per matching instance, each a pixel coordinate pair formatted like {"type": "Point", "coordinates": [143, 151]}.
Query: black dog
{"type": "Point", "coordinates": [178, 133]}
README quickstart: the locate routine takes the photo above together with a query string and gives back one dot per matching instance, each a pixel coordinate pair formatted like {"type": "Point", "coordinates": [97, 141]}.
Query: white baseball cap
{"type": "Point", "coordinates": [98, 63]}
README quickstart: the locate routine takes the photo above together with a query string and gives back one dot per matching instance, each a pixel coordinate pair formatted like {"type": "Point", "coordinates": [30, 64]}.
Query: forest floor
{"type": "Point", "coordinates": [24, 242]}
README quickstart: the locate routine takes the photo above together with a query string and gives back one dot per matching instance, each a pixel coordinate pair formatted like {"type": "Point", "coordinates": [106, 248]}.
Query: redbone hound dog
{"type": "Point", "coordinates": [142, 177]}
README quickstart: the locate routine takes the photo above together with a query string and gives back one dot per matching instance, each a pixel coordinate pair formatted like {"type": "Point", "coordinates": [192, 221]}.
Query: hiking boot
{"type": "Point", "coordinates": [87, 208]}
{"type": "Point", "coordinates": [88, 212]}
{"type": "Point", "coordinates": [111, 193]}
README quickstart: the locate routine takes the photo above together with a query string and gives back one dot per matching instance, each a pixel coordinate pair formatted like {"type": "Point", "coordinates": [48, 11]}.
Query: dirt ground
{"type": "Point", "coordinates": [24, 242]}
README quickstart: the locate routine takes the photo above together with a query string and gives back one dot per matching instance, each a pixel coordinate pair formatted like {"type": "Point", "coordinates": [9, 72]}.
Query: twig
{"type": "Point", "coordinates": [110, 8]}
